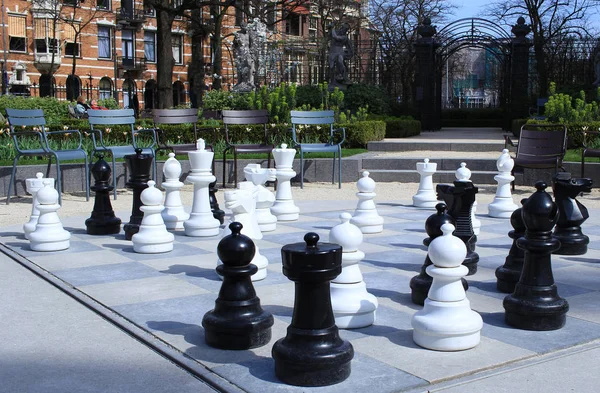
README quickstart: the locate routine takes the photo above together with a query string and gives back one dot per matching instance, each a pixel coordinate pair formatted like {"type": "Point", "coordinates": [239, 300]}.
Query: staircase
{"type": "Point", "coordinates": [394, 160]}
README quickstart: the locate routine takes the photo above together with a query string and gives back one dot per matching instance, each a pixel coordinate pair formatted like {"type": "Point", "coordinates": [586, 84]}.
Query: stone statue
{"type": "Point", "coordinates": [340, 50]}
{"type": "Point", "coordinates": [245, 64]}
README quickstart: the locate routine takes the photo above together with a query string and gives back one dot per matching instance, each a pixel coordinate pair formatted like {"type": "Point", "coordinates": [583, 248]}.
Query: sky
{"type": "Point", "coordinates": [469, 8]}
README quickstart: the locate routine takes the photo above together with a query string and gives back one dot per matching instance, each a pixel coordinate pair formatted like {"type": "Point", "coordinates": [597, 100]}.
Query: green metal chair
{"type": "Point", "coordinates": [28, 123]}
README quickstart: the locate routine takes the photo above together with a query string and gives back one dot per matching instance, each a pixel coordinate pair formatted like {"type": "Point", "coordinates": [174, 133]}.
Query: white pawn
{"type": "Point", "coordinates": [353, 307]}
{"type": "Point", "coordinates": [49, 234]}
{"type": "Point", "coordinates": [242, 204]}
{"type": "Point", "coordinates": [284, 208]}
{"type": "Point", "coordinates": [365, 216]}
{"type": "Point", "coordinates": [174, 214]}
{"type": "Point", "coordinates": [425, 196]}
{"type": "Point", "coordinates": [446, 322]}
{"type": "Point", "coordinates": [153, 237]}
{"type": "Point", "coordinates": [503, 205]}
{"type": "Point", "coordinates": [201, 222]}
{"type": "Point", "coordinates": [264, 197]}
{"type": "Point", "coordinates": [33, 186]}
{"type": "Point", "coordinates": [463, 174]}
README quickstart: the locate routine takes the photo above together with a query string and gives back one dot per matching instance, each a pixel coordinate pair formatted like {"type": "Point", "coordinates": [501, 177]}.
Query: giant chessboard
{"type": "Point", "coordinates": [166, 295]}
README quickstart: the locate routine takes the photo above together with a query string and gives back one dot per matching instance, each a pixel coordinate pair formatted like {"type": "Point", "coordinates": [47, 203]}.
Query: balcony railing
{"type": "Point", "coordinates": [131, 16]}
{"type": "Point", "coordinates": [131, 63]}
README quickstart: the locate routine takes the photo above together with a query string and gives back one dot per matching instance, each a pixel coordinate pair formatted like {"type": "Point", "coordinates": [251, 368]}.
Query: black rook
{"type": "Point", "coordinates": [312, 353]}
{"type": "Point", "coordinates": [535, 304]}
{"type": "Point", "coordinates": [139, 166]}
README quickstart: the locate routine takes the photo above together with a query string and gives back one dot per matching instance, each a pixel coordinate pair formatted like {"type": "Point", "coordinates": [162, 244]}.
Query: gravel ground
{"type": "Point", "coordinates": [75, 205]}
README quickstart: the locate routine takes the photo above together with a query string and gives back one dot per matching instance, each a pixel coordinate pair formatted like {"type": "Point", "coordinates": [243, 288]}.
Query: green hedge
{"type": "Point", "coordinates": [359, 133]}
{"type": "Point", "coordinates": [55, 111]}
{"type": "Point", "coordinates": [401, 127]}
{"type": "Point", "coordinates": [516, 125]}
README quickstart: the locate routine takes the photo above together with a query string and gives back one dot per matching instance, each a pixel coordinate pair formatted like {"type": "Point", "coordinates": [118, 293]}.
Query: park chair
{"type": "Point", "coordinates": [183, 116]}
{"type": "Point", "coordinates": [101, 120]}
{"type": "Point", "coordinates": [245, 117]}
{"type": "Point", "coordinates": [587, 150]}
{"type": "Point", "coordinates": [302, 119]}
{"type": "Point", "coordinates": [30, 123]}
{"type": "Point", "coordinates": [540, 146]}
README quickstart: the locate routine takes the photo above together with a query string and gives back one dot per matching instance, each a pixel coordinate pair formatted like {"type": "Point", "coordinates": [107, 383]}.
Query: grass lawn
{"type": "Point", "coordinates": [183, 157]}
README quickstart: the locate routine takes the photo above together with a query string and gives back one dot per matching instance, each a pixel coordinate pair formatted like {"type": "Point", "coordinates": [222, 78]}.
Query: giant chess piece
{"type": "Point", "coordinates": [139, 166]}
{"type": "Point", "coordinates": [463, 174]}
{"type": "Point", "coordinates": [353, 307]}
{"type": "Point", "coordinates": [535, 304]}
{"type": "Point", "coordinates": [420, 284]}
{"type": "Point", "coordinates": [237, 321]}
{"type": "Point", "coordinates": [446, 322]}
{"type": "Point", "coordinates": [508, 274]}
{"type": "Point", "coordinates": [214, 203]}
{"type": "Point", "coordinates": [103, 220]}
{"type": "Point", "coordinates": [425, 196]}
{"type": "Point", "coordinates": [33, 185]}
{"type": "Point", "coordinates": [49, 234]}
{"type": "Point", "coordinates": [202, 222]}
{"type": "Point", "coordinates": [460, 197]}
{"type": "Point", "coordinates": [284, 208]}
{"type": "Point", "coordinates": [365, 216]}
{"type": "Point", "coordinates": [242, 204]}
{"type": "Point", "coordinates": [264, 197]}
{"type": "Point", "coordinates": [503, 205]}
{"type": "Point", "coordinates": [152, 237]}
{"type": "Point", "coordinates": [174, 214]}
{"type": "Point", "coordinates": [312, 353]}
{"type": "Point", "coordinates": [572, 213]}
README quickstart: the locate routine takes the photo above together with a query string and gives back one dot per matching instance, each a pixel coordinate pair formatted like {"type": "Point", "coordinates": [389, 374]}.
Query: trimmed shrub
{"type": "Point", "coordinates": [373, 97]}
{"type": "Point", "coordinates": [359, 133]}
{"type": "Point", "coordinates": [401, 127]}
{"type": "Point", "coordinates": [309, 96]}
{"type": "Point", "coordinates": [55, 111]}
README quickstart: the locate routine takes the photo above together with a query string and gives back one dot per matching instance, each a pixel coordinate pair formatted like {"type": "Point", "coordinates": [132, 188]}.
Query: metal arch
{"type": "Point", "coordinates": [502, 57]}
{"type": "Point", "coordinates": [484, 24]}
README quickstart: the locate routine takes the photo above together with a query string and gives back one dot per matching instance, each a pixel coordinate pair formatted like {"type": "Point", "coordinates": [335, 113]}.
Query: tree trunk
{"type": "Point", "coordinates": [196, 68]}
{"type": "Point", "coordinates": [216, 43]}
{"type": "Point", "coordinates": [164, 61]}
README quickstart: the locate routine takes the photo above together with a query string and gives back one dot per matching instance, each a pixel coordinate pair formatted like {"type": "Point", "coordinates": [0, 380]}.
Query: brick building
{"type": "Point", "coordinates": [114, 45]}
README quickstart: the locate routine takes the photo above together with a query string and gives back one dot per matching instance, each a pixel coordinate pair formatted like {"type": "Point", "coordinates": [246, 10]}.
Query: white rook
{"type": "Point", "coordinates": [425, 196]}
{"type": "Point", "coordinates": [284, 208]}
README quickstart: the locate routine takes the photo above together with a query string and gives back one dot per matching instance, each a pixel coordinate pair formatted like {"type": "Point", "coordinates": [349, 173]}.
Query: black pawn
{"type": "Point", "coordinates": [420, 284]}
{"type": "Point", "coordinates": [535, 304]}
{"type": "Point", "coordinates": [237, 321]}
{"type": "Point", "coordinates": [139, 166]}
{"type": "Point", "coordinates": [460, 198]}
{"type": "Point", "coordinates": [312, 353]}
{"type": "Point", "coordinates": [508, 274]}
{"type": "Point", "coordinates": [214, 204]}
{"type": "Point", "coordinates": [103, 220]}
{"type": "Point", "coordinates": [572, 213]}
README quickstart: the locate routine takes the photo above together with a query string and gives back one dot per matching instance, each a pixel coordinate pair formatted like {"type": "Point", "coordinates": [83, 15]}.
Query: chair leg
{"type": "Point", "coordinates": [12, 179]}
{"type": "Point", "coordinates": [234, 168]}
{"type": "Point", "coordinates": [224, 166]}
{"type": "Point", "coordinates": [340, 167]}
{"type": "Point", "coordinates": [301, 169]}
{"type": "Point", "coordinates": [49, 165]}
{"type": "Point", "coordinates": [114, 170]}
{"type": "Point", "coordinates": [58, 181]}
{"type": "Point", "coordinates": [87, 179]}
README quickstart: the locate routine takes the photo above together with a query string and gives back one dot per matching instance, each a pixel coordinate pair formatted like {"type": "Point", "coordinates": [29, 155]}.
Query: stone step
{"type": "Point", "coordinates": [443, 164]}
{"type": "Point", "coordinates": [411, 176]}
{"type": "Point", "coordinates": [407, 145]}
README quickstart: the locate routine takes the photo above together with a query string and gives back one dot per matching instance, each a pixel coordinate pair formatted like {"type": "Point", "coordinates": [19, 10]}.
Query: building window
{"type": "Point", "coordinates": [178, 93]}
{"type": "Point", "coordinates": [240, 10]}
{"type": "Point", "coordinates": [16, 33]}
{"type": "Point", "coordinates": [271, 17]}
{"type": "Point", "coordinates": [103, 5]}
{"type": "Point", "coordinates": [292, 23]}
{"type": "Point", "coordinates": [72, 3]}
{"type": "Point", "coordinates": [150, 46]}
{"type": "Point", "coordinates": [71, 45]}
{"type": "Point", "coordinates": [176, 4]}
{"type": "Point", "coordinates": [177, 42]}
{"type": "Point", "coordinates": [312, 23]}
{"type": "Point", "coordinates": [43, 32]}
{"type": "Point", "coordinates": [127, 47]}
{"type": "Point", "coordinates": [104, 88]}
{"type": "Point", "coordinates": [104, 45]}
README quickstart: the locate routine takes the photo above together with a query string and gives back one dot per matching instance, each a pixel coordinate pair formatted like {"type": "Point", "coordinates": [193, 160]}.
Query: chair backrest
{"type": "Point", "coordinates": [312, 117]}
{"type": "Point", "coordinates": [245, 117]}
{"type": "Point", "coordinates": [542, 142]}
{"type": "Point", "coordinates": [212, 114]}
{"type": "Point", "coordinates": [101, 117]}
{"type": "Point", "coordinates": [26, 117]}
{"type": "Point", "coordinates": [175, 116]}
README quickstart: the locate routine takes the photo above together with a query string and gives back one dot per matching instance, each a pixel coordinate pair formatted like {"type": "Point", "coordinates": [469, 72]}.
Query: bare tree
{"type": "Point", "coordinates": [550, 20]}
{"type": "Point", "coordinates": [397, 22]}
